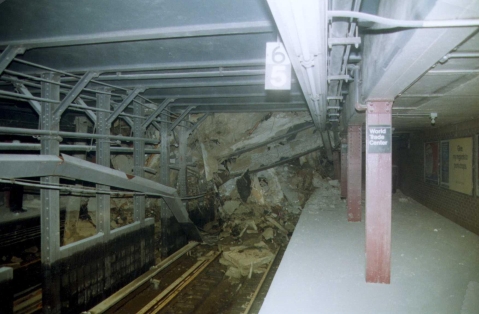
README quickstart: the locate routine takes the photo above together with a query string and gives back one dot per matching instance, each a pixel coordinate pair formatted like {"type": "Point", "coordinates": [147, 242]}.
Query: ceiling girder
{"type": "Point", "coordinates": [303, 28]}
{"type": "Point", "coordinates": [145, 34]}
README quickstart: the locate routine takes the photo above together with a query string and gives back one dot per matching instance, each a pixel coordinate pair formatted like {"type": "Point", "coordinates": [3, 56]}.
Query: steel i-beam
{"type": "Point", "coordinates": [165, 180]}
{"type": "Point", "coordinates": [139, 200]}
{"type": "Point", "coordinates": [50, 199]}
{"type": "Point", "coordinates": [354, 172]}
{"type": "Point", "coordinates": [378, 191]}
{"type": "Point", "coordinates": [182, 150]}
{"type": "Point", "coordinates": [138, 161]}
{"type": "Point", "coordinates": [103, 159]}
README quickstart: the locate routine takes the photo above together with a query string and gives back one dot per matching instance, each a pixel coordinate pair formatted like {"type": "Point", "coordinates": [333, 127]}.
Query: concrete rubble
{"type": "Point", "coordinates": [253, 231]}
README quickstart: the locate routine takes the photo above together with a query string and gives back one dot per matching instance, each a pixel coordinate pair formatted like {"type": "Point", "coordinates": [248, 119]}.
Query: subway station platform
{"type": "Point", "coordinates": [434, 263]}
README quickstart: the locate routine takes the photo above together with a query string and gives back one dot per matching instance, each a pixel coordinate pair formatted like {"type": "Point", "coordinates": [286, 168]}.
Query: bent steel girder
{"type": "Point", "coordinates": [21, 166]}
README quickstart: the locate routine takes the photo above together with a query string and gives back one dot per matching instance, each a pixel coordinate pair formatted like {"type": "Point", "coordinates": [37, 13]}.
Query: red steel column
{"type": "Point", "coordinates": [344, 168]}
{"type": "Point", "coordinates": [354, 172]}
{"type": "Point", "coordinates": [378, 191]}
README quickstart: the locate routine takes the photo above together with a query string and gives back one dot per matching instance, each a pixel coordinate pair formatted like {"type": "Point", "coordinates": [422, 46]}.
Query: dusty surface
{"type": "Point", "coordinates": [434, 268]}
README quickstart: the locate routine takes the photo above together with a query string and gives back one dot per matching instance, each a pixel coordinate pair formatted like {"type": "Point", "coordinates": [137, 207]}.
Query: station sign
{"type": "Point", "coordinates": [278, 67]}
{"type": "Point", "coordinates": [379, 139]}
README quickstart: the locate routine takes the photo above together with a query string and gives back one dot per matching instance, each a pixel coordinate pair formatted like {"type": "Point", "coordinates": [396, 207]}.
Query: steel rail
{"type": "Point", "coordinates": [135, 284]}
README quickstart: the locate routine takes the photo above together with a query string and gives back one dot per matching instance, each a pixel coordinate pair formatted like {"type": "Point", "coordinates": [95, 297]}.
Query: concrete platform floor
{"type": "Point", "coordinates": [435, 263]}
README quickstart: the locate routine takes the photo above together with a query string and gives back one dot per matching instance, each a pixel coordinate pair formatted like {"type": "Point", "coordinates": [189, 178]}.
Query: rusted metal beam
{"type": "Point", "coordinates": [354, 172]}
{"type": "Point", "coordinates": [378, 191]}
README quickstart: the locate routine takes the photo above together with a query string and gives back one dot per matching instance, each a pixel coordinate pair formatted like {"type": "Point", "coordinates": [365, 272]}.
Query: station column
{"type": "Point", "coordinates": [378, 191]}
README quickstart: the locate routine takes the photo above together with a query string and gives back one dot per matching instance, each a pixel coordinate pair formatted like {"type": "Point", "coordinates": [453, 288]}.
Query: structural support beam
{"type": "Point", "coordinates": [158, 110]}
{"type": "Point", "coordinates": [182, 152]}
{"type": "Point", "coordinates": [139, 161]}
{"type": "Point", "coordinates": [139, 200]}
{"type": "Point", "coordinates": [354, 172]}
{"type": "Point", "coordinates": [50, 199]}
{"type": "Point", "coordinates": [344, 168]}
{"type": "Point", "coordinates": [165, 180]}
{"type": "Point", "coordinates": [72, 95]}
{"type": "Point", "coordinates": [119, 109]}
{"type": "Point", "coordinates": [378, 191]}
{"type": "Point", "coordinates": [24, 91]}
{"type": "Point", "coordinates": [180, 118]}
{"type": "Point", "coordinates": [7, 56]}
{"type": "Point", "coordinates": [103, 159]}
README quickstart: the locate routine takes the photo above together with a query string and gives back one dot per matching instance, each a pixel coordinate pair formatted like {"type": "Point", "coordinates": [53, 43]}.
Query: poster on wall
{"type": "Point", "coordinates": [431, 162]}
{"type": "Point", "coordinates": [460, 165]}
{"type": "Point", "coordinates": [445, 163]}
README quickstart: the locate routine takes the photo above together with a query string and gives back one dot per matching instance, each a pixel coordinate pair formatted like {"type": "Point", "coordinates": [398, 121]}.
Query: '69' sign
{"type": "Point", "coordinates": [278, 67]}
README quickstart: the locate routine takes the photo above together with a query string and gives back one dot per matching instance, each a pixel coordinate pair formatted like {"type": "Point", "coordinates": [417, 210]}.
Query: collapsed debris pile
{"type": "Point", "coordinates": [257, 215]}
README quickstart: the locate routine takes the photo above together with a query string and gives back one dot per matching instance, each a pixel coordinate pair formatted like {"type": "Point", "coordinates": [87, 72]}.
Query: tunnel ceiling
{"type": "Point", "coordinates": [209, 56]}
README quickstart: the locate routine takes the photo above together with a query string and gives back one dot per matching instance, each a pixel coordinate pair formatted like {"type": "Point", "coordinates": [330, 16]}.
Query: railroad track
{"type": "Point", "coordinates": [193, 281]}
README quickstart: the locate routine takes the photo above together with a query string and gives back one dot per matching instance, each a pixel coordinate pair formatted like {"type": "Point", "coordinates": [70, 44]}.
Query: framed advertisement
{"type": "Point", "coordinates": [460, 165]}
{"type": "Point", "coordinates": [431, 162]}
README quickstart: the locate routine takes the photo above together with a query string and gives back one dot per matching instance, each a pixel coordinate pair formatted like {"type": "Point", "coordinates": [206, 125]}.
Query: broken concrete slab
{"type": "Point", "coordinates": [247, 259]}
{"type": "Point", "coordinates": [230, 206]}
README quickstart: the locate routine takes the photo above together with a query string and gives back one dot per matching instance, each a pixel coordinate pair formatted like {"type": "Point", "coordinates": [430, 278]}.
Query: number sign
{"type": "Point", "coordinates": [278, 67]}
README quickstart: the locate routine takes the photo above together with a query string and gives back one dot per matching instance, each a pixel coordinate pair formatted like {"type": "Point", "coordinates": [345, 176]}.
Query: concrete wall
{"type": "Point", "coordinates": [461, 208]}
